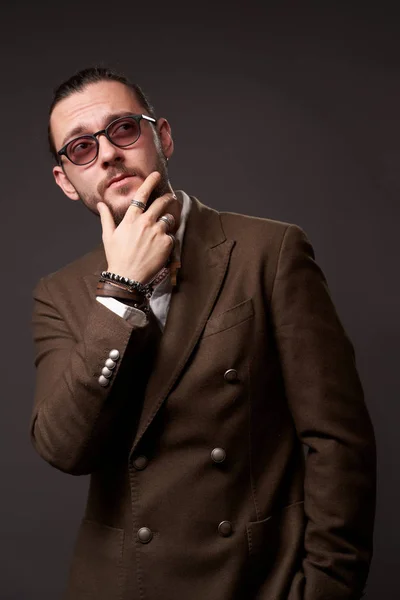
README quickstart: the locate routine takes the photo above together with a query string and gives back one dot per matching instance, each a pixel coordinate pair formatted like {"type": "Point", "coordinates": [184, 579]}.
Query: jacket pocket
{"type": "Point", "coordinates": [229, 318]}
{"type": "Point", "coordinates": [97, 570]}
{"type": "Point", "coordinates": [280, 530]}
{"type": "Point", "coordinates": [275, 549]}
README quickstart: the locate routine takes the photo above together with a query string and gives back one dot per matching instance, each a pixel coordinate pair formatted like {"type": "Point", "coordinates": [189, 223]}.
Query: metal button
{"type": "Point", "coordinates": [225, 528]}
{"type": "Point", "coordinates": [103, 381]}
{"type": "Point", "coordinates": [110, 364]}
{"type": "Point", "coordinates": [144, 535]}
{"type": "Point", "coordinates": [230, 375]}
{"type": "Point", "coordinates": [114, 354]}
{"type": "Point", "coordinates": [218, 455]}
{"type": "Point", "coordinates": [106, 372]}
{"type": "Point", "coordinates": [140, 463]}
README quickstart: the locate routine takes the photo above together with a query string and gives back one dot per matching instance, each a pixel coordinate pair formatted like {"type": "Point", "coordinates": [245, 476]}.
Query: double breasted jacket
{"type": "Point", "coordinates": [200, 488]}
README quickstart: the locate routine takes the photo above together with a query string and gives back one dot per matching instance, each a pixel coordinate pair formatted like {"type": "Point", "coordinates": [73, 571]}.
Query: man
{"type": "Point", "coordinates": [184, 364]}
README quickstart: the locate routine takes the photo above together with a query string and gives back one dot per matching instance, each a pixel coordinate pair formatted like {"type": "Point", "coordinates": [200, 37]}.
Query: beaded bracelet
{"type": "Point", "coordinates": [145, 289]}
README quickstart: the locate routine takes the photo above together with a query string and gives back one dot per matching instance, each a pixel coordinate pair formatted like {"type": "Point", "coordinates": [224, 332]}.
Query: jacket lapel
{"type": "Point", "coordinates": [205, 257]}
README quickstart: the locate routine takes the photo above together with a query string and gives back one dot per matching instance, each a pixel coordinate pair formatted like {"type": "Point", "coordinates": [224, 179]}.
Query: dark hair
{"type": "Point", "coordinates": [80, 80]}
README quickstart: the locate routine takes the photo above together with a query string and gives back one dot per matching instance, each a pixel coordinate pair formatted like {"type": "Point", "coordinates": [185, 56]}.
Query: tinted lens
{"type": "Point", "coordinates": [82, 150]}
{"type": "Point", "coordinates": [124, 131]}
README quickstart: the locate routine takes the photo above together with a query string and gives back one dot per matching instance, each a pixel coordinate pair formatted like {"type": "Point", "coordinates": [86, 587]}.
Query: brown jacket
{"type": "Point", "coordinates": [253, 363]}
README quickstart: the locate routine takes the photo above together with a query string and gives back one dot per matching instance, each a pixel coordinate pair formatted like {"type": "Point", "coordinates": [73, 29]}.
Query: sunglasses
{"type": "Point", "coordinates": [121, 132]}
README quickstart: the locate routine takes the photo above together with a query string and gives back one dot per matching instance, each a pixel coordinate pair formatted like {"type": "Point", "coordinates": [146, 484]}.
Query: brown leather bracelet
{"type": "Point", "coordinates": [116, 291]}
{"type": "Point", "coordinates": [112, 284]}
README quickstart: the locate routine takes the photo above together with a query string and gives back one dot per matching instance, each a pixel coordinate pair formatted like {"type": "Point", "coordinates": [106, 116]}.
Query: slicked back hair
{"type": "Point", "coordinates": [80, 80]}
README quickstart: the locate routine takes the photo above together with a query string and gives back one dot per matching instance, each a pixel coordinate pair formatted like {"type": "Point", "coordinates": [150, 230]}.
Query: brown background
{"type": "Point", "coordinates": [277, 111]}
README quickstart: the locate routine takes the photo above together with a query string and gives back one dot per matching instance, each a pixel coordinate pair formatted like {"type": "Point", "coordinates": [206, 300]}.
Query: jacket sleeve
{"type": "Point", "coordinates": [327, 404]}
{"type": "Point", "coordinates": [73, 412]}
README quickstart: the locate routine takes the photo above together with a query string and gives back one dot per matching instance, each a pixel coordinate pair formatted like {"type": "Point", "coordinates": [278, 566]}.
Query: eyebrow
{"type": "Point", "coordinates": [85, 130]}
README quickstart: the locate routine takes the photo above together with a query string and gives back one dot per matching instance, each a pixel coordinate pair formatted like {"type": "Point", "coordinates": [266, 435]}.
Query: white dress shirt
{"type": "Point", "coordinates": [161, 297]}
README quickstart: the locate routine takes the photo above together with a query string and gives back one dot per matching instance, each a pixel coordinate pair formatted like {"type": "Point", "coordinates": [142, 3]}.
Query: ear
{"type": "Point", "coordinates": [164, 131]}
{"type": "Point", "coordinates": [64, 183]}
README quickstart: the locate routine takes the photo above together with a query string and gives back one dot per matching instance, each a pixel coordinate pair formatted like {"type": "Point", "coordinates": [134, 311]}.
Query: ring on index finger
{"type": "Point", "coordinates": [138, 204]}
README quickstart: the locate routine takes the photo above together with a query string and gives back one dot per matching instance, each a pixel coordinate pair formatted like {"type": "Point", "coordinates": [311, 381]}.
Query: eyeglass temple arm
{"type": "Point", "coordinates": [149, 119]}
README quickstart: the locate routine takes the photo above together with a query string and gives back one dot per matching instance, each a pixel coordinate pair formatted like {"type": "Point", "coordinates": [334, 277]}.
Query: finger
{"type": "Point", "coordinates": [166, 203]}
{"type": "Point", "coordinates": [143, 192]}
{"type": "Point", "coordinates": [107, 221]}
{"type": "Point", "coordinates": [175, 207]}
{"type": "Point", "coordinates": [172, 241]}
{"type": "Point", "coordinates": [167, 222]}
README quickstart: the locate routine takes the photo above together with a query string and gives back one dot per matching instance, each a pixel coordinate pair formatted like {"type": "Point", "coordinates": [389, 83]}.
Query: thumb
{"type": "Point", "coordinates": [107, 221]}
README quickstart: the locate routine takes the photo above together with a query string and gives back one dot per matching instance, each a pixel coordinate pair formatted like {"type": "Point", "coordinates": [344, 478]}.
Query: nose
{"type": "Point", "coordinates": [108, 153]}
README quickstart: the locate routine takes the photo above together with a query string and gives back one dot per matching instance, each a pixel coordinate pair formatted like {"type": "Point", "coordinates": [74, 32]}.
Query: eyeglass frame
{"type": "Point", "coordinates": [135, 117]}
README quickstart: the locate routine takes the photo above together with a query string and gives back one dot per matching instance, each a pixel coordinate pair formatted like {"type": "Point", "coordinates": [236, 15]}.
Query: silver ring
{"type": "Point", "coordinates": [173, 240]}
{"type": "Point", "coordinates": [168, 221]}
{"type": "Point", "coordinates": [138, 204]}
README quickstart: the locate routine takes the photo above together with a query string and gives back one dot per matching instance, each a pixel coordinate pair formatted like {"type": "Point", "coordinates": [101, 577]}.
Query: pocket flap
{"type": "Point", "coordinates": [229, 318]}
{"type": "Point", "coordinates": [275, 534]}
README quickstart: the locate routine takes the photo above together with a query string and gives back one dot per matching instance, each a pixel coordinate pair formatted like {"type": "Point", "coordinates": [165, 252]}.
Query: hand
{"type": "Point", "coordinates": [139, 247]}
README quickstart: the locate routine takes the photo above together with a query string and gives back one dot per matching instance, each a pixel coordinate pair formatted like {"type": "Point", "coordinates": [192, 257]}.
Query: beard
{"type": "Point", "coordinates": [118, 212]}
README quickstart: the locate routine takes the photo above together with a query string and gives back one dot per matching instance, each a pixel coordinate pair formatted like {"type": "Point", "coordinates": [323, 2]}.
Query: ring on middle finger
{"type": "Point", "coordinates": [173, 240]}
{"type": "Point", "coordinates": [168, 220]}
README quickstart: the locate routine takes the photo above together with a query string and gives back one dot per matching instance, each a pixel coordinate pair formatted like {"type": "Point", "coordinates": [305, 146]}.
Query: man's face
{"type": "Point", "coordinates": [93, 109]}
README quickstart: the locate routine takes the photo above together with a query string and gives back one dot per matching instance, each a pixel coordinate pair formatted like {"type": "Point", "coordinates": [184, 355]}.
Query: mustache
{"type": "Point", "coordinates": [122, 170]}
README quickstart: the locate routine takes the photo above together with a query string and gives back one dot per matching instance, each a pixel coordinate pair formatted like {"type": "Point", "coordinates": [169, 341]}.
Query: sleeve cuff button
{"type": "Point", "coordinates": [106, 372]}
{"type": "Point", "coordinates": [103, 381]}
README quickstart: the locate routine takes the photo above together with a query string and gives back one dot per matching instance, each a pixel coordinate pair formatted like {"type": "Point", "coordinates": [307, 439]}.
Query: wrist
{"type": "Point", "coordinates": [118, 292]}
{"type": "Point", "coordinates": [134, 275]}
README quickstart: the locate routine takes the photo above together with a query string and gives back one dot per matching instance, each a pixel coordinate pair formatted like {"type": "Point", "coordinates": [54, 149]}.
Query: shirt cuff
{"type": "Point", "coordinates": [129, 313]}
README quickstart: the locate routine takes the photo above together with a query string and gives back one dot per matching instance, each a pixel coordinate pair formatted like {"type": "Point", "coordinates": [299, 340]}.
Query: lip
{"type": "Point", "coordinates": [118, 180]}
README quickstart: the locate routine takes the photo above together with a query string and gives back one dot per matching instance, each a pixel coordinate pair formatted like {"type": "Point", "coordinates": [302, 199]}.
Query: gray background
{"type": "Point", "coordinates": [282, 110]}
